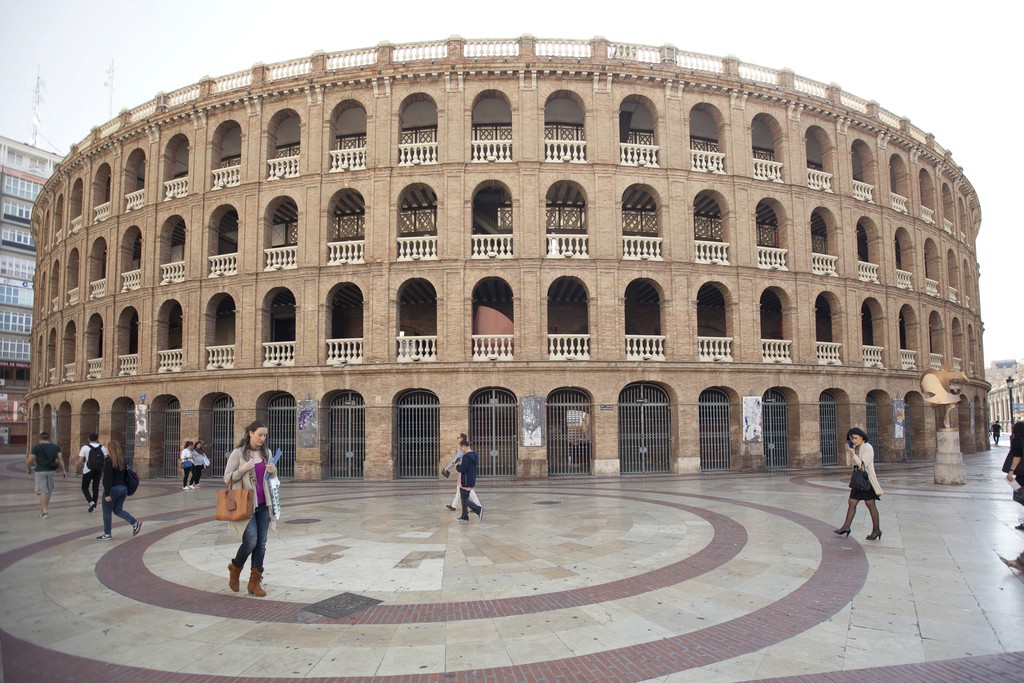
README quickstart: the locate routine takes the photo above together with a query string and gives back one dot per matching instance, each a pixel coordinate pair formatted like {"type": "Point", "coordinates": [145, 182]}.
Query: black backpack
{"type": "Point", "coordinates": [95, 459]}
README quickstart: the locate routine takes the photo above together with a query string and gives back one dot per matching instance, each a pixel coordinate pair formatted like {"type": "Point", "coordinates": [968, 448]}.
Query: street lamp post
{"type": "Point", "coordinates": [1009, 392]}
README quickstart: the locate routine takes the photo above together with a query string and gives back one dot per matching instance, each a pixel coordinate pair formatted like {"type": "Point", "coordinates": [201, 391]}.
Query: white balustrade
{"type": "Point", "coordinates": [350, 59]}
{"type": "Point", "coordinates": [568, 246]}
{"type": "Point", "coordinates": [641, 248]}
{"type": "Point", "coordinates": [53, 376]}
{"type": "Point", "coordinates": [285, 167]}
{"type": "Point", "coordinates": [824, 264]}
{"type": "Point", "coordinates": [290, 69]}
{"type": "Point", "coordinates": [76, 225]}
{"type": "Point", "coordinates": [956, 363]}
{"type": "Point", "coordinates": [348, 160]}
{"type": "Point", "coordinates": [819, 180]}
{"type": "Point", "coordinates": [908, 359]}
{"type": "Point", "coordinates": [93, 368]}
{"type": "Point", "coordinates": [863, 191]}
{"type": "Point", "coordinates": [413, 52]}
{"type": "Point", "coordinates": [278, 354]}
{"type": "Point", "coordinates": [223, 264]}
{"type": "Point", "coordinates": [281, 258]}
{"type": "Point", "coordinates": [490, 151]}
{"type": "Point", "coordinates": [492, 246]}
{"type": "Point", "coordinates": [416, 153]}
{"type": "Point", "coordinates": [967, 301]}
{"type": "Point", "coordinates": [931, 287]}
{"type": "Point", "coordinates": [953, 294]}
{"type": "Point", "coordinates": [220, 357]}
{"type": "Point", "coordinates": [899, 203]}
{"type": "Point", "coordinates": [345, 252]}
{"type": "Point", "coordinates": [716, 349]}
{"type": "Point", "coordinates": [867, 272]}
{"type": "Point", "coordinates": [573, 49]}
{"type": "Point", "coordinates": [73, 297]}
{"type": "Point", "coordinates": [226, 177]}
{"type": "Point", "coordinates": [947, 226]}
{"type": "Point", "coordinates": [776, 351]}
{"type": "Point", "coordinates": [170, 360]}
{"type": "Point", "coordinates": [927, 215]}
{"type": "Point", "coordinates": [872, 356]}
{"type": "Point", "coordinates": [415, 349]}
{"type": "Point", "coordinates": [101, 212]}
{"type": "Point", "coordinates": [707, 162]}
{"type": "Point", "coordinates": [492, 347]}
{"type": "Point", "coordinates": [569, 347]}
{"type": "Point", "coordinates": [571, 151]}
{"type": "Point", "coordinates": [55, 304]}
{"type": "Point", "coordinates": [97, 289]}
{"type": "Point", "coordinates": [172, 272]}
{"type": "Point", "coordinates": [963, 237]}
{"type": "Point", "coordinates": [417, 248]}
{"type": "Point", "coordinates": [645, 347]}
{"type": "Point", "coordinates": [638, 155]}
{"type": "Point", "coordinates": [344, 351]}
{"type": "Point", "coordinates": [58, 236]}
{"type": "Point", "coordinates": [904, 280]}
{"type": "Point", "coordinates": [770, 258]}
{"type": "Point", "coordinates": [829, 353]}
{"type": "Point", "coordinates": [129, 364]}
{"type": "Point", "coordinates": [134, 200]}
{"type": "Point", "coordinates": [935, 360]}
{"type": "Point", "coordinates": [131, 280]}
{"type": "Point", "coordinates": [768, 170]}
{"type": "Point", "coordinates": [176, 188]}
{"type": "Point", "coordinates": [490, 48]}
{"type": "Point", "coordinates": [711, 252]}
{"type": "Point", "coordinates": [70, 370]}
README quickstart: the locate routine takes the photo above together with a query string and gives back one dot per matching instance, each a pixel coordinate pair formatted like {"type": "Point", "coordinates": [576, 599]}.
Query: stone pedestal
{"type": "Point", "coordinates": [949, 461]}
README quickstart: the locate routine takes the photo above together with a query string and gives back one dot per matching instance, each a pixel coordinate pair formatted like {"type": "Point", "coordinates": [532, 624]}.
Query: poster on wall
{"type": "Point", "coordinates": [899, 417]}
{"type": "Point", "coordinates": [141, 423]}
{"type": "Point", "coordinates": [751, 419]}
{"type": "Point", "coordinates": [309, 436]}
{"type": "Point", "coordinates": [530, 419]}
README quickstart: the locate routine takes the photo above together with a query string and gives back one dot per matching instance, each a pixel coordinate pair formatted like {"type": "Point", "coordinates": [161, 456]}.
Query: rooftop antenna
{"type": "Point", "coordinates": [109, 85]}
{"type": "Point", "coordinates": [37, 100]}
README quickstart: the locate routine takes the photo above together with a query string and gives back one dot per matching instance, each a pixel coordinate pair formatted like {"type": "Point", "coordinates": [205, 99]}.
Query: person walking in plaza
{"type": "Point", "coordinates": [861, 455]}
{"type": "Point", "coordinates": [46, 458]}
{"type": "Point", "coordinates": [1014, 463]}
{"type": "Point", "coordinates": [115, 491]}
{"type": "Point", "coordinates": [187, 463]}
{"type": "Point", "coordinates": [467, 481]}
{"type": "Point", "coordinates": [997, 430]}
{"type": "Point", "coordinates": [250, 464]}
{"type": "Point", "coordinates": [450, 466]}
{"type": "Point", "coordinates": [199, 461]}
{"type": "Point", "coordinates": [92, 456]}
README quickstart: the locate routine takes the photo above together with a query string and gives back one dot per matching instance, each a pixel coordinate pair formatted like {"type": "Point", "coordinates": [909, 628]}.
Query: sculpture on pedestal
{"type": "Point", "coordinates": [942, 388]}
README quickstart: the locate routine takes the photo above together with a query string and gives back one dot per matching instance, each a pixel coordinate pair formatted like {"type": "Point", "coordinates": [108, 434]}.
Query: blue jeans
{"type": "Point", "coordinates": [116, 505]}
{"type": "Point", "coordinates": [254, 539]}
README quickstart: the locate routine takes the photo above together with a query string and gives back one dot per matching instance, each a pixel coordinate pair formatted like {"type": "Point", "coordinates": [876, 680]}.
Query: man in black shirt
{"type": "Point", "coordinates": [47, 459]}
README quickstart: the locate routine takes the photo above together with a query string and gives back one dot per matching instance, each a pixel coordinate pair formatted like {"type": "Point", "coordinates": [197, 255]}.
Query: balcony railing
{"type": "Point", "coordinates": [226, 177]}
{"type": "Point", "coordinates": [58, 236]}
{"type": "Point", "coordinates": [631, 154]}
{"type": "Point", "coordinates": [94, 368]}
{"type": "Point", "coordinates": [712, 252]}
{"type": "Point", "coordinates": [931, 287]}
{"type": "Point", "coordinates": [129, 365]}
{"type": "Point", "coordinates": [819, 180]}
{"type": "Point", "coordinates": [281, 258]}
{"type": "Point", "coordinates": [867, 272]}
{"type": "Point", "coordinates": [872, 356]}
{"type": "Point", "coordinates": [345, 252]}
{"type": "Point", "coordinates": [223, 264]}
{"type": "Point", "coordinates": [765, 169]}
{"type": "Point", "coordinates": [344, 351]}
{"type": "Point", "coordinates": [73, 297]}
{"type": "Point", "coordinates": [956, 363]}
{"type": "Point", "coordinates": [908, 359]}
{"type": "Point", "coordinates": [947, 226]}
{"type": "Point", "coordinates": [824, 264]}
{"type": "Point", "coordinates": [492, 347]}
{"type": "Point", "coordinates": [55, 304]}
{"type": "Point", "coordinates": [927, 215]}
{"type": "Point", "coordinates": [571, 151]}
{"type": "Point", "coordinates": [134, 200]}
{"type": "Point", "coordinates": [717, 349]}
{"type": "Point", "coordinates": [770, 258]}
{"type": "Point", "coordinates": [415, 349]}
{"type": "Point", "coordinates": [101, 212]}
{"type": "Point", "coordinates": [97, 289]}
{"type": "Point", "coordinates": [70, 371]}
{"type": "Point", "coordinates": [904, 280]}
{"type": "Point", "coordinates": [76, 225]}
{"type": "Point", "coordinates": [707, 162]}
{"type": "Point", "coordinates": [172, 272]}
{"type": "Point", "coordinates": [131, 280]}
{"type": "Point", "coordinates": [645, 347]}
{"type": "Point", "coordinates": [170, 360]}
{"type": "Point", "coordinates": [348, 160]}
{"type": "Point", "coordinates": [220, 357]}
{"type": "Point", "coordinates": [173, 189]}
{"type": "Point", "coordinates": [829, 353]}
{"type": "Point", "coordinates": [492, 246]}
{"type": "Point", "coordinates": [569, 347]}
{"type": "Point", "coordinates": [568, 246]}
{"type": "Point", "coordinates": [490, 151]}
{"type": "Point", "coordinates": [416, 153]}
{"type": "Point", "coordinates": [953, 294]}
{"type": "Point", "coordinates": [417, 248]}
{"type": "Point", "coordinates": [935, 360]}
{"type": "Point", "coordinates": [776, 351]}
{"type": "Point", "coordinates": [641, 248]}
{"type": "Point", "coordinates": [283, 167]}
{"type": "Point", "coordinates": [863, 191]}
{"type": "Point", "coordinates": [278, 354]}
{"type": "Point", "coordinates": [53, 376]}
{"type": "Point", "coordinates": [899, 202]}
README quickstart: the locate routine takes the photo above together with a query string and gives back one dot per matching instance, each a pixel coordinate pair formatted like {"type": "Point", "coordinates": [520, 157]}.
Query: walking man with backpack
{"type": "Point", "coordinates": [92, 456]}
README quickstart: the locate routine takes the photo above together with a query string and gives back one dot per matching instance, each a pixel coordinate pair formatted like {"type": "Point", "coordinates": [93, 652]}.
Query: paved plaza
{"type": "Point", "coordinates": [716, 577]}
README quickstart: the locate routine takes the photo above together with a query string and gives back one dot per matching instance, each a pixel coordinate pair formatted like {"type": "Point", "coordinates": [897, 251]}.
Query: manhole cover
{"type": "Point", "coordinates": [548, 502]}
{"type": "Point", "coordinates": [340, 606]}
{"type": "Point", "coordinates": [301, 521]}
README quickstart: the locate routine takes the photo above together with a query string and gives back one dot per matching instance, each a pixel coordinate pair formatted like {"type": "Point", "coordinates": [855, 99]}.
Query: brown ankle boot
{"type": "Point", "coordinates": [233, 574]}
{"type": "Point", "coordinates": [254, 587]}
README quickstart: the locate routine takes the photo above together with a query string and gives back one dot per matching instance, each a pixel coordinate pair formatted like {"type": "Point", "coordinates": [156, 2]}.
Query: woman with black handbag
{"type": "Point", "coordinates": [1014, 463]}
{"type": "Point", "coordinates": [251, 465]}
{"type": "Point", "coordinates": [863, 485]}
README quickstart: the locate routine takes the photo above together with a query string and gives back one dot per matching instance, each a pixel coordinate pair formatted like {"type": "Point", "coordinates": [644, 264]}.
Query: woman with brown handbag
{"type": "Point", "coordinates": [251, 465]}
{"type": "Point", "coordinates": [861, 455]}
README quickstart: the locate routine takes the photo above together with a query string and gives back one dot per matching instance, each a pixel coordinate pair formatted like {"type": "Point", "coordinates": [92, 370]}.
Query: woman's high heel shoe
{"type": "Point", "coordinates": [874, 537]}
{"type": "Point", "coordinates": [841, 532]}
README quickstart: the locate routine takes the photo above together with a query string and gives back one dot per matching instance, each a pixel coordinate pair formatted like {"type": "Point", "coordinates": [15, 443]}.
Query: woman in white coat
{"type": "Point", "coordinates": [860, 454]}
{"type": "Point", "coordinates": [250, 465]}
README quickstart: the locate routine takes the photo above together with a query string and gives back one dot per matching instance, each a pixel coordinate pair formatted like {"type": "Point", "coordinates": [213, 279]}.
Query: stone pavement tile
{"type": "Point", "coordinates": [294, 662]}
{"type": "Point", "coordinates": [229, 659]}
{"type": "Point", "coordinates": [412, 659]}
{"type": "Point", "coordinates": [346, 660]}
{"type": "Point", "coordinates": [870, 647]}
{"type": "Point", "coordinates": [542, 646]}
{"type": "Point", "coordinates": [421, 634]}
{"type": "Point", "coordinates": [480, 654]}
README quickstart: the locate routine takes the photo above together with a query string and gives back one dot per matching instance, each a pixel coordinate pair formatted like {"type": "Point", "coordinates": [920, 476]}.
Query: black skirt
{"type": "Point", "coordinates": [864, 495]}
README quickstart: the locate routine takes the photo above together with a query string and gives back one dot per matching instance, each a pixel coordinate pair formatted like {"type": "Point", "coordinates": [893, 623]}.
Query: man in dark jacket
{"type": "Point", "coordinates": [467, 481]}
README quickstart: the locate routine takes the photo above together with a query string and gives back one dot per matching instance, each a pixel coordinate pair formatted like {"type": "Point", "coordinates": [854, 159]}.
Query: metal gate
{"type": "Point", "coordinates": [776, 436]}
{"type": "Point", "coordinates": [281, 428]}
{"type": "Point", "coordinates": [346, 436]}
{"type": "Point", "coordinates": [568, 432]}
{"type": "Point", "coordinates": [222, 435]}
{"type": "Point", "coordinates": [645, 429]}
{"type": "Point", "coordinates": [494, 430]}
{"type": "Point", "coordinates": [417, 435]}
{"type": "Point", "coordinates": [129, 434]}
{"type": "Point", "coordinates": [828, 428]}
{"type": "Point", "coordinates": [872, 422]}
{"type": "Point", "coordinates": [172, 438]}
{"type": "Point", "coordinates": [713, 417]}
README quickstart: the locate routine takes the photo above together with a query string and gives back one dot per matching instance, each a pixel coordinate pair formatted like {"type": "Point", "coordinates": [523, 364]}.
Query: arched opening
{"type": "Point", "coordinates": [492, 221]}
{"type": "Point", "coordinates": [493, 320]}
{"type": "Point", "coordinates": [345, 324]}
{"type": "Point", "coordinates": [645, 429]}
{"type": "Point", "coordinates": [176, 167]}
{"type": "Point", "coordinates": [278, 316]}
{"type": "Point", "coordinates": [711, 242]}
{"type": "Point", "coordinates": [131, 259]}
{"type": "Point", "coordinates": [775, 428]}
{"type": "Point", "coordinates": [492, 128]}
{"type": "Point", "coordinates": [346, 227]}
{"type": "Point", "coordinates": [172, 250]}
{"type": "Point", "coordinates": [69, 347]}
{"type": "Point", "coordinates": [936, 339]}
{"type": "Point", "coordinates": [705, 132]}
{"type": "Point", "coordinates": [417, 120]}
{"type": "Point", "coordinates": [820, 155]}
{"type": "Point", "coordinates": [220, 332]}
{"type": "Point", "coordinates": [223, 241]}
{"type": "Point", "coordinates": [94, 347]}
{"type": "Point", "coordinates": [346, 436]}
{"type": "Point", "coordinates": [713, 340]}
{"type": "Point", "coordinates": [714, 426]}
{"type": "Point", "coordinates": [101, 186]}
{"type": "Point", "coordinates": [494, 424]}
{"type": "Point", "coordinates": [641, 218]}
{"type": "Point", "coordinates": [638, 140]}
{"type": "Point", "coordinates": [565, 138]}
{"type": "Point", "coordinates": [569, 433]}
{"type": "Point", "coordinates": [872, 327]}
{"type": "Point", "coordinates": [772, 248]}
{"type": "Point", "coordinates": [565, 214]}
{"type": "Point", "coordinates": [828, 428]}
{"type": "Point", "coordinates": [644, 340]}
{"type": "Point", "coordinates": [226, 158]}
{"type": "Point", "coordinates": [97, 269]}
{"type": "Point", "coordinates": [908, 331]}
{"type": "Point", "coordinates": [281, 234]}
{"type": "Point", "coordinates": [417, 434]}
{"type": "Point", "coordinates": [899, 183]}
{"type": "Point", "coordinates": [134, 180]}
{"type": "Point", "coordinates": [865, 177]}
{"type": "Point", "coordinates": [417, 321]}
{"type": "Point", "coordinates": [348, 130]}
{"type": "Point", "coordinates": [417, 223]}
{"type": "Point", "coordinates": [568, 320]}
{"type": "Point", "coordinates": [825, 334]}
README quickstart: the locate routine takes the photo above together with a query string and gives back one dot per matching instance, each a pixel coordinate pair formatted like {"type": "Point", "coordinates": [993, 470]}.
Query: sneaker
{"type": "Point", "coordinates": [105, 537]}
{"type": "Point", "coordinates": [92, 507]}
{"type": "Point", "coordinates": [136, 528]}
{"type": "Point", "coordinates": [185, 488]}
{"type": "Point", "coordinates": [195, 486]}
{"type": "Point", "coordinates": [462, 519]}
{"type": "Point", "coordinates": [44, 515]}
{"type": "Point", "coordinates": [480, 513]}
{"type": "Point", "coordinates": [450, 507]}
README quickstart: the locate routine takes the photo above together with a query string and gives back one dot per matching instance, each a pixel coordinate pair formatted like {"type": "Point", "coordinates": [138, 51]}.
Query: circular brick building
{"type": "Point", "coordinates": [595, 258]}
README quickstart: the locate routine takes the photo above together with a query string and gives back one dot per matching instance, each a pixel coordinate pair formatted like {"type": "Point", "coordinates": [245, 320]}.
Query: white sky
{"type": "Point", "coordinates": [947, 66]}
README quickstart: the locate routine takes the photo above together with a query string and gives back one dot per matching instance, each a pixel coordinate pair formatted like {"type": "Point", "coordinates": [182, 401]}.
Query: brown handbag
{"type": "Point", "coordinates": [234, 505]}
